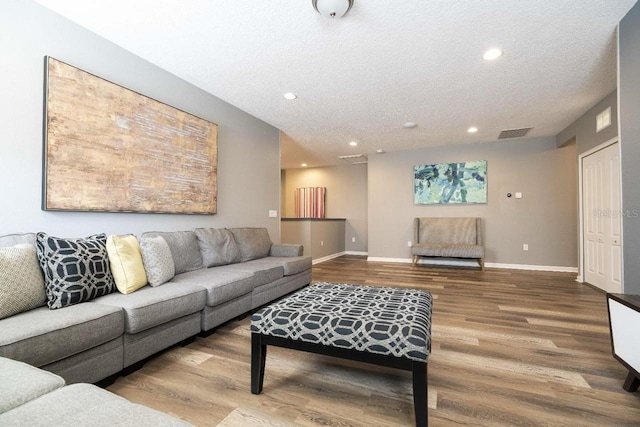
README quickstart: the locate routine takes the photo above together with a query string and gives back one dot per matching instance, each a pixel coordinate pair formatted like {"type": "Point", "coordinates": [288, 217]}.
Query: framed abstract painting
{"type": "Point", "coordinates": [450, 183]}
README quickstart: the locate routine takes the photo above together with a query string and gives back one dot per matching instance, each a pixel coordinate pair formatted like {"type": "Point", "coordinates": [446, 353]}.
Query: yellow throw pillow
{"type": "Point", "coordinates": [126, 263]}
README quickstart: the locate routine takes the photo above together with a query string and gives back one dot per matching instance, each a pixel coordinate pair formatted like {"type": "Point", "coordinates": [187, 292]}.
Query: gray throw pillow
{"type": "Point", "coordinates": [21, 281]}
{"type": "Point", "coordinates": [75, 270]}
{"type": "Point", "coordinates": [157, 260]}
{"type": "Point", "coordinates": [217, 246]}
{"type": "Point", "coordinates": [184, 249]}
{"type": "Point", "coordinates": [254, 243]}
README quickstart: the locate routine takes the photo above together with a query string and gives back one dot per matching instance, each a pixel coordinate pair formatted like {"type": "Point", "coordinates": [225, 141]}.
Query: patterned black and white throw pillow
{"type": "Point", "coordinates": [75, 270]}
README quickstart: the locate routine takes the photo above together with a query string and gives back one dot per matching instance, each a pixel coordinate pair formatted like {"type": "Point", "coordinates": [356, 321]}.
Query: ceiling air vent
{"type": "Point", "coordinates": [513, 133]}
{"type": "Point", "coordinates": [354, 159]}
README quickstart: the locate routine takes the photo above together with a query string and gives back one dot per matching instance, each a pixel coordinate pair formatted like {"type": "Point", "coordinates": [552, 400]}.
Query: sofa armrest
{"type": "Point", "coordinates": [286, 250]}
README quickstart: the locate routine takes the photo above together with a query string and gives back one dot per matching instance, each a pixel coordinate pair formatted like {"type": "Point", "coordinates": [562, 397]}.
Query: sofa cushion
{"type": "Point", "coordinates": [149, 307]}
{"type": "Point", "coordinates": [185, 249]}
{"type": "Point", "coordinates": [17, 239]}
{"type": "Point", "coordinates": [252, 242]}
{"type": "Point", "coordinates": [75, 270]}
{"type": "Point", "coordinates": [20, 383]}
{"type": "Point", "coordinates": [262, 273]}
{"type": "Point", "coordinates": [157, 260]}
{"type": "Point", "coordinates": [286, 249]}
{"type": "Point", "coordinates": [217, 246]}
{"type": "Point", "coordinates": [447, 230]}
{"type": "Point", "coordinates": [448, 250]}
{"type": "Point", "coordinates": [21, 281]}
{"type": "Point", "coordinates": [290, 265]}
{"type": "Point", "coordinates": [126, 263]}
{"type": "Point", "coordinates": [221, 286]}
{"type": "Point", "coordinates": [42, 336]}
{"type": "Point", "coordinates": [85, 405]}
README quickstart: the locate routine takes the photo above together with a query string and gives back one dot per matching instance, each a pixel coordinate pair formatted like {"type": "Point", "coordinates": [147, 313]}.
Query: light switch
{"type": "Point", "coordinates": [518, 195]}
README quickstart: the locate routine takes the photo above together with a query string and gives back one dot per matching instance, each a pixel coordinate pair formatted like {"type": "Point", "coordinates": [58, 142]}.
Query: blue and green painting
{"type": "Point", "coordinates": [449, 183]}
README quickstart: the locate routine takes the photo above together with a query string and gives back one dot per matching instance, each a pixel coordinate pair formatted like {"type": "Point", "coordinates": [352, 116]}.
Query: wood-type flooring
{"type": "Point", "coordinates": [509, 348]}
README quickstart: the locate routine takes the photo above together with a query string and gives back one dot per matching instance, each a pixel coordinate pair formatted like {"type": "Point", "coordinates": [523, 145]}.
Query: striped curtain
{"type": "Point", "coordinates": [310, 202]}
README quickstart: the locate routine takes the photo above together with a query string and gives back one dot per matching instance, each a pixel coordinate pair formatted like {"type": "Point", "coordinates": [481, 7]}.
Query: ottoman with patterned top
{"type": "Point", "coordinates": [380, 325]}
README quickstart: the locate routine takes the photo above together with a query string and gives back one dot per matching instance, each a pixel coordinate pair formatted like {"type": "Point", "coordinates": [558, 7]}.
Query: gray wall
{"type": "Point", "coordinates": [320, 238]}
{"type": "Point", "coordinates": [248, 149]}
{"type": "Point", "coordinates": [346, 197]}
{"type": "Point", "coordinates": [545, 218]}
{"type": "Point", "coordinates": [629, 89]}
{"type": "Point", "coordinates": [583, 130]}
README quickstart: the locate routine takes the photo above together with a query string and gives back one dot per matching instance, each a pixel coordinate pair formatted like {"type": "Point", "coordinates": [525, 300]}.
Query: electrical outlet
{"type": "Point", "coordinates": [525, 247]}
{"type": "Point", "coordinates": [321, 242]}
{"type": "Point", "coordinates": [353, 239]}
{"type": "Point", "coordinates": [518, 195]}
{"type": "Point", "coordinates": [409, 243]}
{"type": "Point", "coordinates": [273, 214]}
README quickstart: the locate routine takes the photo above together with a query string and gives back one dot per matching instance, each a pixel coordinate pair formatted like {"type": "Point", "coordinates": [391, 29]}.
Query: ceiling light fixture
{"type": "Point", "coordinates": [353, 143]}
{"type": "Point", "coordinates": [491, 54]}
{"type": "Point", "coordinates": [380, 151]}
{"type": "Point", "coordinates": [409, 125]}
{"type": "Point", "coordinates": [304, 165]}
{"type": "Point", "coordinates": [332, 8]}
{"type": "Point", "coordinates": [472, 129]}
{"type": "Point", "coordinates": [290, 96]}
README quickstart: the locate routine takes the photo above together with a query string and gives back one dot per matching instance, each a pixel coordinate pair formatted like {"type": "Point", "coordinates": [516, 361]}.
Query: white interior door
{"type": "Point", "coordinates": [602, 218]}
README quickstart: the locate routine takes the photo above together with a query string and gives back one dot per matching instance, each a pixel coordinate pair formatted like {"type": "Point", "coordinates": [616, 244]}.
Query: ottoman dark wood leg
{"type": "Point", "coordinates": [258, 359]}
{"type": "Point", "coordinates": [632, 383]}
{"type": "Point", "coordinates": [420, 393]}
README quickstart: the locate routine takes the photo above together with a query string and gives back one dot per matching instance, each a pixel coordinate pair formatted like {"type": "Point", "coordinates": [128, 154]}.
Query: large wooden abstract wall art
{"type": "Point", "coordinates": [110, 149]}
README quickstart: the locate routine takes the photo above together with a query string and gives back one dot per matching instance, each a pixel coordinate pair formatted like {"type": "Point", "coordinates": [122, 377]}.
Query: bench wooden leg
{"type": "Point", "coordinates": [420, 393]}
{"type": "Point", "coordinates": [415, 260]}
{"type": "Point", "coordinates": [258, 359]}
{"type": "Point", "coordinates": [482, 263]}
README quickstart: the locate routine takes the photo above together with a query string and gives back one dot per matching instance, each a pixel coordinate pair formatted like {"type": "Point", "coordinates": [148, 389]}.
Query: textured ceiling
{"type": "Point", "coordinates": [384, 63]}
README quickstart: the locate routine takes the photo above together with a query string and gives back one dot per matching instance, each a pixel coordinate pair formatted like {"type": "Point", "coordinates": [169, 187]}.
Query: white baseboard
{"type": "Point", "coordinates": [327, 258]}
{"type": "Point", "coordinates": [556, 268]}
{"type": "Point", "coordinates": [475, 264]}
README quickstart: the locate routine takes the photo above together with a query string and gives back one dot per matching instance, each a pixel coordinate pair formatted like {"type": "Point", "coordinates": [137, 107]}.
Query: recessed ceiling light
{"type": "Point", "coordinates": [290, 95]}
{"type": "Point", "coordinates": [379, 151]}
{"type": "Point", "coordinates": [353, 143]}
{"type": "Point", "coordinates": [304, 165]}
{"type": "Point", "coordinates": [492, 54]}
{"type": "Point", "coordinates": [409, 125]}
{"type": "Point", "coordinates": [472, 129]}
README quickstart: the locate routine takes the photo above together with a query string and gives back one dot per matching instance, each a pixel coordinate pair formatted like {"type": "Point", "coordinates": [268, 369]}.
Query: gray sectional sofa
{"type": "Point", "coordinates": [219, 274]}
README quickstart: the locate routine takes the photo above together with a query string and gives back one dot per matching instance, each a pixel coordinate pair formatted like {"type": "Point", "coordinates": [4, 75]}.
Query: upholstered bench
{"type": "Point", "coordinates": [448, 238]}
{"type": "Point", "coordinates": [380, 325]}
